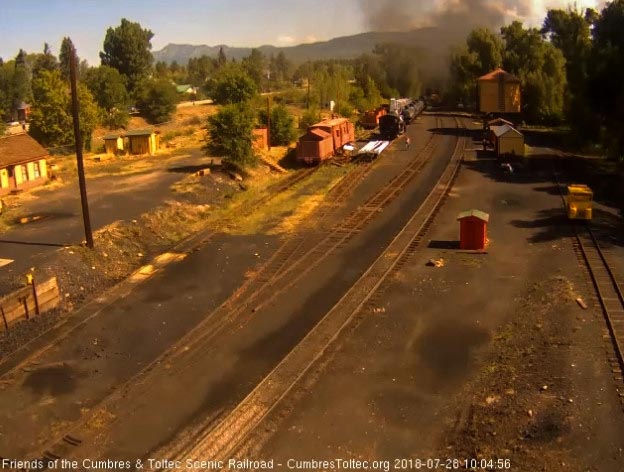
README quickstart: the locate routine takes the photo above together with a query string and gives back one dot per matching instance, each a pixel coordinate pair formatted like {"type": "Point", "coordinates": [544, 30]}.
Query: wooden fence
{"type": "Point", "coordinates": [28, 302]}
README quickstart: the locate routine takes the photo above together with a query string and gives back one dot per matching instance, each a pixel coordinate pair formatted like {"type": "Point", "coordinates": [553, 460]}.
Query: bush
{"type": "Point", "coordinates": [233, 85]}
{"type": "Point", "coordinates": [309, 117]}
{"type": "Point", "coordinates": [157, 100]}
{"type": "Point", "coordinates": [230, 134]}
{"type": "Point", "coordinates": [282, 125]}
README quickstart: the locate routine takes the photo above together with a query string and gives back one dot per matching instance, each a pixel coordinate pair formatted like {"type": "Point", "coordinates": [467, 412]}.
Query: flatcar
{"type": "Point", "coordinates": [579, 202]}
{"type": "Point", "coordinates": [325, 140]}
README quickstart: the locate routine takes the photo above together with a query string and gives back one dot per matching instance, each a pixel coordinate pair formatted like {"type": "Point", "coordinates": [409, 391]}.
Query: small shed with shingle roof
{"type": "Point", "coordinates": [508, 141]}
{"type": "Point", "coordinates": [143, 141]}
{"type": "Point", "coordinates": [113, 144]}
{"type": "Point", "coordinates": [23, 163]}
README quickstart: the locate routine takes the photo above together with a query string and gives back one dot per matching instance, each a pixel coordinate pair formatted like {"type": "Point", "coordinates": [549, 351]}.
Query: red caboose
{"type": "Point", "coordinates": [324, 140]}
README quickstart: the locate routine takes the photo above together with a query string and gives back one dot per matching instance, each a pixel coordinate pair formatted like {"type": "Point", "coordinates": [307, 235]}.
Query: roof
{"type": "Point", "coordinates": [141, 132]}
{"type": "Point", "coordinates": [22, 106]}
{"type": "Point", "coordinates": [474, 213]}
{"type": "Point", "coordinates": [331, 122]}
{"type": "Point", "coordinates": [503, 130]}
{"type": "Point", "coordinates": [184, 88]}
{"type": "Point", "coordinates": [499, 74]}
{"type": "Point", "coordinates": [499, 120]}
{"type": "Point", "coordinates": [19, 148]}
{"type": "Point", "coordinates": [317, 133]}
{"type": "Point", "coordinates": [579, 189]}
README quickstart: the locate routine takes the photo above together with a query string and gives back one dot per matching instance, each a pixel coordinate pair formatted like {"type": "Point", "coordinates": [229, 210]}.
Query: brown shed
{"type": "Point", "coordinates": [143, 141]}
{"type": "Point", "coordinates": [113, 144]}
{"type": "Point", "coordinates": [473, 230]}
{"type": "Point", "coordinates": [260, 139]}
{"type": "Point", "coordinates": [499, 92]}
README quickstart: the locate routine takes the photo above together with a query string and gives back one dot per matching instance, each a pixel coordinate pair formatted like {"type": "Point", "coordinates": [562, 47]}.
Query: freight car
{"type": "Point", "coordinates": [324, 140]}
{"type": "Point", "coordinates": [370, 120]}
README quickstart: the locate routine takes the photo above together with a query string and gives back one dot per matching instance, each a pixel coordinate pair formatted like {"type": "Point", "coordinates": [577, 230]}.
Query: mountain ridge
{"type": "Point", "coordinates": [432, 41]}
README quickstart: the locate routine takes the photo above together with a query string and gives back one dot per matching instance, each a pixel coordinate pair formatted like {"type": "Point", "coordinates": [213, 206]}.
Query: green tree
{"type": "Point", "coordinates": [541, 68]}
{"type": "Point", "coordinates": [570, 32]}
{"type": "Point", "coordinates": [221, 59]}
{"type": "Point", "coordinates": [45, 61]}
{"type": "Point", "coordinates": [21, 84]}
{"type": "Point", "coordinates": [309, 117]}
{"type": "Point", "coordinates": [161, 69]}
{"type": "Point", "coordinates": [254, 65]}
{"type": "Point", "coordinates": [65, 56]}
{"type": "Point", "coordinates": [7, 70]}
{"type": "Point", "coordinates": [51, 119]}
{"type": "Point", "coordinates": [233, 85]}
{"type": "Point", "coordinates": [482, 53]}
{"type": "Point", "coordinates": [90, 114]}
{"type": "Point", "coordinates": [127, 48]}
{"type": "Point", "coordinates": [607, 75]}
{"type": "Point", "coordinates": [367, 97]}
{"type": "Point", "coordinates": [230, 134]}
{"type": "Point", "coordinates": [108, 87]}
{"type": "Point", "coordinates": [282, 131]}
{"type": "Point", "coordinates": [199, 70]}
{"type": "Point", "coordinates": [157, 100]}
{"type": "Point", "coordinates": [280, 68]}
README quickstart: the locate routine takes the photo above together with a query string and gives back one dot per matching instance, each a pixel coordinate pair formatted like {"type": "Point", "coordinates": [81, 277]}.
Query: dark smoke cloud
{"type": "Point", "coordinates": [455, 16]}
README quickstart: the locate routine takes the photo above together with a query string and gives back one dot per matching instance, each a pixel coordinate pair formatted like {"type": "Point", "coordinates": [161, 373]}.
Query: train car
{"type": "Point", "coordinates": [324, 140]}
{"type": "Point", "coordinates": [370, 119]}
{"type": "Point", "coordinates": [391, 126]}
{"type": "Point", "coordinates": [579, 202]}
{"type": "Point", "coordinates": [412, 110]}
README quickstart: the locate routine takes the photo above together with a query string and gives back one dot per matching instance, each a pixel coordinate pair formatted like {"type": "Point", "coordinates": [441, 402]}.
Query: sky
{"type": "Point", "coordinates": [28, 24]}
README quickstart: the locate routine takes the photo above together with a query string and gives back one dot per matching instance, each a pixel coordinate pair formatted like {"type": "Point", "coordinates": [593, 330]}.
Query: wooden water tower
{"type": "Point", "coordinates": [499, 92]}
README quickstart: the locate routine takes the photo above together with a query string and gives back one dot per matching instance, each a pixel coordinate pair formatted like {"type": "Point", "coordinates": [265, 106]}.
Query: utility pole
{"type": "Point", "coordinates": [269, 121]}
{"type": "Point", "coordinates": [308, 104]}
{"type": "Point", "coordinates": [78, 138]}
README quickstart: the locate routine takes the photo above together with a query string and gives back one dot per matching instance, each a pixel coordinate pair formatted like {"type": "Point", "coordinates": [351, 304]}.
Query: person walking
{"type": "Point", "coordinates": [407, 143]}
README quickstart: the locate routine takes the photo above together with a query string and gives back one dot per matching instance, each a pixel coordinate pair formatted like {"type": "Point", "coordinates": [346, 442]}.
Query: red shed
{"type": "Point", "coordinates": [473, 229]}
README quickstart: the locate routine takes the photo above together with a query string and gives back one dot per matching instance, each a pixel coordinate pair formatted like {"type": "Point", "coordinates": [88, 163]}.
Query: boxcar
{"type": "Point", "coordinates": [324, 140]}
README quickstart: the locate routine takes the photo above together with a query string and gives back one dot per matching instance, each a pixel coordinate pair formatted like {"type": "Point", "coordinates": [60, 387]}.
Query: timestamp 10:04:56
{"type": "Point", "coordinates": [452, 464]}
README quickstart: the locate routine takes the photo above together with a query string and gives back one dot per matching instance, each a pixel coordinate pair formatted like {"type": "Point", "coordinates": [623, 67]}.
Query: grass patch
{"type": "Point", "coordinates": [287, 211]}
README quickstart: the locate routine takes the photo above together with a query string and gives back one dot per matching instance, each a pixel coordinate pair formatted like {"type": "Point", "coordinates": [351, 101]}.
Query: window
{"type": "Point", "coordinates": [24, 170]}
{"type": "Point", "coordinates": [36, 170]}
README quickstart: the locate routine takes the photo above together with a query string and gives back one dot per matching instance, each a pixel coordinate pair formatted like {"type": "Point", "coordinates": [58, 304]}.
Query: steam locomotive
{"type": "Point", "coordinates": [401, 113]}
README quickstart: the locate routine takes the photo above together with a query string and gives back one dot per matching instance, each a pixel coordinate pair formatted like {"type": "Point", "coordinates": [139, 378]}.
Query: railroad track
{"type": "Point", "coordinates": [299, 254]}
{"type": "Point", "coordinates": [608, 292]}
{"type": "Point", "coordinates": [286, 267]}
{"type": "Point", "coordinates": [219, 439]}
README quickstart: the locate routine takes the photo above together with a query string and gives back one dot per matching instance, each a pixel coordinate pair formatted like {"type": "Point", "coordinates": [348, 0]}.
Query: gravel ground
{"type": "Point", "coordinates": [120, 248]}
